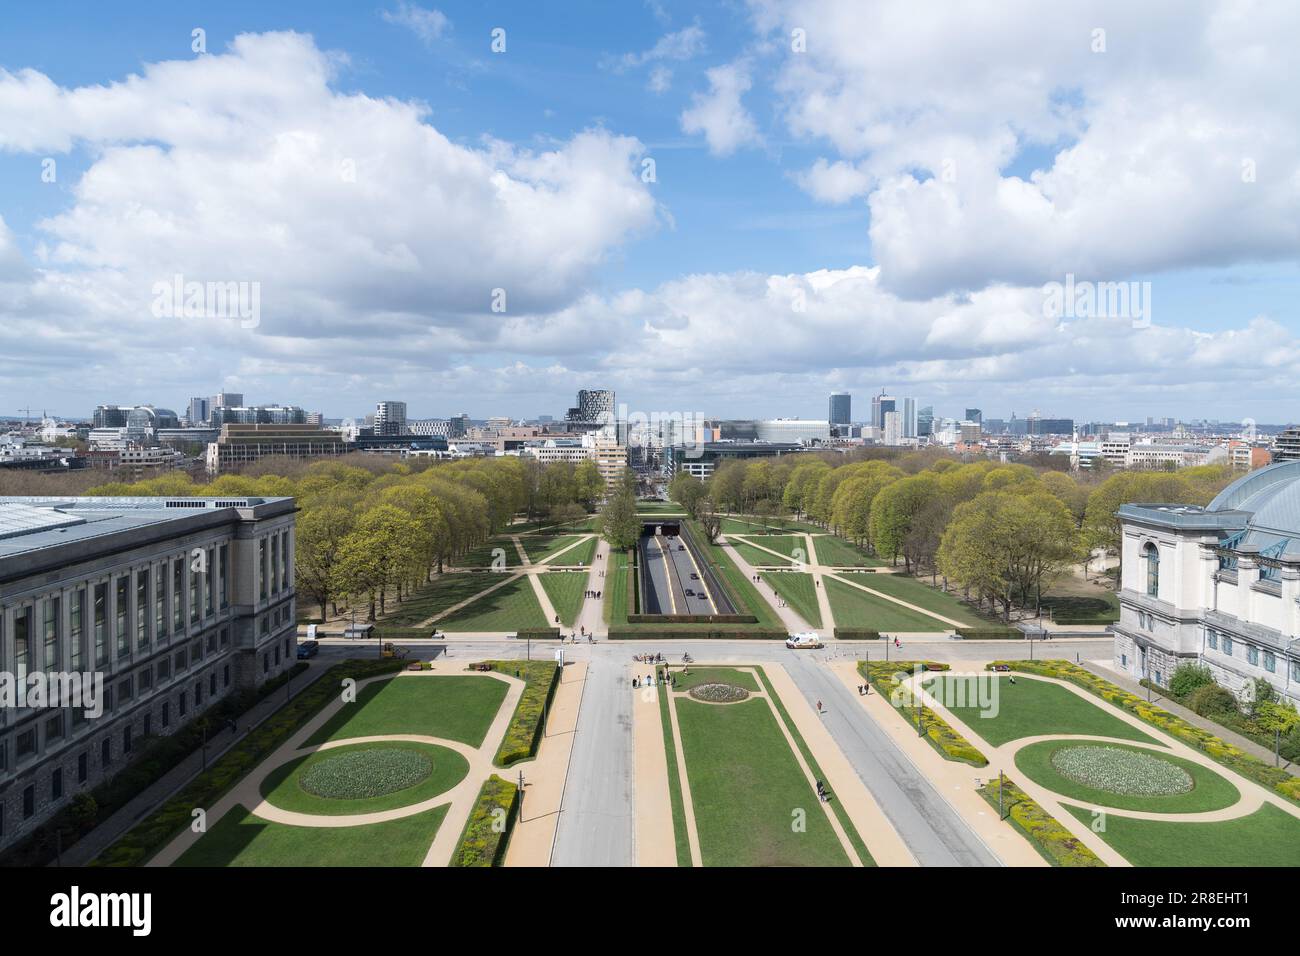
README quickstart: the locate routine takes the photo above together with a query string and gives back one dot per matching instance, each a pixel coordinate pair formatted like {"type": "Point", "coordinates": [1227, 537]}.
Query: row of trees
{"type": "Point", "coordinates": [1002, 532]}
{"type": "Point", "coordinates": [370, 528]}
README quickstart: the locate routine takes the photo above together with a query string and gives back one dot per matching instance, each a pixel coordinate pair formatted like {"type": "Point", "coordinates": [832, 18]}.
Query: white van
{"type": "Point", "coordinates": [809, 640]}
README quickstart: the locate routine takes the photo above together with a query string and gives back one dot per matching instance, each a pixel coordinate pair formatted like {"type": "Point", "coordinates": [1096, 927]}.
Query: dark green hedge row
{"type": "Point", "coordinates": [677, 634]}
{"type": "Point", "coordinates": [990, 634]}
{"type": "Point", "coordinates": [538, 633]}
{"type": "Point", "coordinates": [487, 831]}
{"type": "Point", "coordinates": [158, 829]}
{"type": "Point", "coordinates": [1252, 768]}
{"type": "Point", "coordinates": [157, 757]}
{"type": "Point", "coordinates": [524, 733]}
{"type": "Point", "coordinates": [633, 590]}
{"type": "Point", "coordinates": [1053, 842]}
{"type": "Point", "coordinates": [855, 634]}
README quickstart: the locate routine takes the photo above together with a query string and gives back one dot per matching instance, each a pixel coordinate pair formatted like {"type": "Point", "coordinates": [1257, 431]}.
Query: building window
{"type": "Point", "coordinates": [121, 609]}
{"type": "Point", "coordinates": [182, 703]}
{"type": "Point", "coordinates": [225, 676]}
{"type": "Point", "coordinates": [182, 661]}
{"type": "Point", "coordinates": [125, 690]}
{"type": "Point", "coordinates": [160, 601]}
{"type": "Point", "coordinates": [212, 684]}
{"type": "Point", "coordinates": [261, 568]}
{"type": "Point", "coordinates": [209, 592]}
{"type": "Point", "coordinates": [126, 739]}
{"type": "Point", "coordinates": [1212, 639]}
{"type": "Point", "coordinates": [1270, 661]}
{"type": "Point", "coordinates": [178, 596]}
{"type": "Point", "coordinates": [166, 713]}
{"type": "Point", "coordinates": [224, 572]}
{"type": "Point", "coordinates": [52, 620]}
{"type": "Point", "coordinates": [266, 663]}
{"type": "Point", "coordinates": [1252, 655]}
{"type": "Point", "coordinates": [105, 752]}
{"type": "Point", "coordinates": [196, 605]}
{"type": "Point", "coordinates": [148, 724]}
{"type": "Point", "coordinates": [146, 679]}
{"type": "Point", "coordinates": [83, 767]}
{"type": "Point", "coordinates": [101, 625]}
{"type": "Point", "coordinates": [1227, 645]}
{"type": "Point", "coordinates": [56, 784]}
{"type": "Point", "coordinates": [54, 728]}
{"type": "Point", "coordinates": [1152, 555]}
{"type": "Point", "coordinates": [22, 641]}
{"type": "Point", "coordinates": [25, 744]}
{"type": "Point", "coordinates": [77, 626]}
{"type": "Point", "coordinates": [164, 669]}
{"type": "Point", "coordinates": [29, 802]}
{"type": "Point", "coordinates": [142, 604]}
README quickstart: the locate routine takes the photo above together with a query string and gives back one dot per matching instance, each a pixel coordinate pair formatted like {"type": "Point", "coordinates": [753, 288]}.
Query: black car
{"type": "Point", "coordinates": [308, 649]}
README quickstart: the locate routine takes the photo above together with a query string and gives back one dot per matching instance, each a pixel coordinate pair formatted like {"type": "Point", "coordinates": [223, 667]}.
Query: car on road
{"type": "Point", "coordinates": [804, 641]}
{"type": "Point", "coordinates": [308, 649]}
{"type": "Point", "coordinates": [690, 593]}
{"type": "Point", "coordinates": [694, 576]}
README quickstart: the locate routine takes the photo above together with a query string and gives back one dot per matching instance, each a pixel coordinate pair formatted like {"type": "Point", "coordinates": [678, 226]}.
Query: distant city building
{"type": "Point", "coordinates": [841, 408]}
{"type": "Point", "coordinates": [793, 430]}
{"type": "Point", "coordinates": [242, 444]}
{"type": "Point", "coordinates": [703, 461]}
{"type": "Point", "coordinates": [226, 400]}
{"type": "Point", "coordinates": [390, 418]}
{"type": "Point", "coordinates": [880, 404]}
{"type": "Point", "coordinates": [199, 412]}
{"type": "Point", "coordinates": [430, 427]}
{"type": "Point", "coordinates": [109, 416]}
{"type": "Point", "coordinates": [908, 421]}
{"type": "Point", "coordinates": [925, 421]}
{"type": "Point", "coordinates": [258, 415]}
{"type": "Point", "coordinates": [1049, 426]}
{"type": "Point", "coordinates": [595, 409]}
{"type": "Point", "coordinates": [1286, 446]}
{"type": "Point", "coordinates": [975, 415]}
{"type": "Point", "coordinates": [111, 586]}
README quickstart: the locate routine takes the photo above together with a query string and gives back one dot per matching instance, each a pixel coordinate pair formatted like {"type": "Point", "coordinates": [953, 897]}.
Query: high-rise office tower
{"type": "Point", "coordinates": [975, 415]}
{"type": "Point", "coordinates": [925, 421]}
{"type": "Point", "coordinates": [390, 418]}
{"type": "Point", "coordinates": [909, 423]}
{"type": "Point", "coordinates": [881, 405]}
{"type": "Point", "coordinates": [841, 412]}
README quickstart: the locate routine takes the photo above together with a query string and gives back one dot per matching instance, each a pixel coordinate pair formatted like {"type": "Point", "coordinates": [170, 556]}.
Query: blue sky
{"type": "Point", "coordinates": [649, 292]}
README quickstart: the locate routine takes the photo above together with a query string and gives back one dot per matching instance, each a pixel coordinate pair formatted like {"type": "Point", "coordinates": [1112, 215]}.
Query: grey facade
{"type": "Point", "coordinates": [174, 603]}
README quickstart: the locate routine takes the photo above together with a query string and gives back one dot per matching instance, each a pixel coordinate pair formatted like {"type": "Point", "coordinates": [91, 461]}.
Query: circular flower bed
{"type": "Point", "coordinates": [373, 772]}
{"type": "Point", "coordinates": [719, 693]}
{"type": "Point", "coordinates": [1122, 771]}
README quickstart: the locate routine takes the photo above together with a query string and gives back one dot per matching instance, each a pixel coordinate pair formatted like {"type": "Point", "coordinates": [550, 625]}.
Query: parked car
{"type": "Point", "coordinates": [308, 649]}
{"type": "Point", "coordinates": [801, 641]}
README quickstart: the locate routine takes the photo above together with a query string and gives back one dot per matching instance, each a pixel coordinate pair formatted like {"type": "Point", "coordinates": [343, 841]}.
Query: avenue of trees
{"type": "Point", "coordinates": [1001, 532]}
{"type": "Point", "coordinates": [370, 529]}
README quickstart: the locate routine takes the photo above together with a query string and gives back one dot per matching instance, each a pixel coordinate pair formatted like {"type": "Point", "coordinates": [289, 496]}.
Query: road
{"type": "Point", "coordinates": [597, 822]}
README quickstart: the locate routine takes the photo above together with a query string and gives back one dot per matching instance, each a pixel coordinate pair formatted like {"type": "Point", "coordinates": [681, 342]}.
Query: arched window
{"type": "Point", "coordinates": [1152, 555]}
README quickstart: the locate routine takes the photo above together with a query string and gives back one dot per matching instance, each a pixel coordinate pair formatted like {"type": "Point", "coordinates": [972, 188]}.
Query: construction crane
{"type": "Point", "coordinates": [27, 415]}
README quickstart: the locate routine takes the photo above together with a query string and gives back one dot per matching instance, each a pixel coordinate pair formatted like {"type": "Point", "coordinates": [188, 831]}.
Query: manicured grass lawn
{"type": "Point", "coordinates": [507, 608]}
{"type": "Point", "coordinates": [1268, 837]}
{"type": "Point", "coordinates": [758, 557]}
{"type": "Point", "coordinates": [241, 839]}
{"type": "Point", "coordinates": [747, 790]}
{"type": "Point", "coordinates": [1101, 608]}
{"type": "Point", "coordinates": [451, 706]}
{"type": "Point", "coordinates": [483, 555]}
{"type": "Point", "coordinates": [798, 590]}
{"type": "Point", "coordinates": [443, 592]}
{"type": "Point", "coordinates": [539, 546]}
{"type": "Point", "coordinates": [1210, 791]}
{"type": "Point", "coordinates": [578, 554]}
{"type": "Point", "coordinates": [1027, 708]}
{"type": "Point", "coordinates": [787, 544]}
{"type": "Point", "coordinates": [836, 552]}
{"type": "Point", "coordinates": [754, 603]}
{"type": "Point", "coordinates": [659, 507]}
{"type": "Point", "coordinates": [914, 591]}
{"type": "Point", "coordinates": [713, 675]}
{"type": "Point", "coordinates": [283, 787]}
{"type": "Point", "coordinates": [681, 840]}
{"type": "Point", "coordinates": [615, 590]}
{"type": "Point", "coordinates": [565, 589]}
{"type": "Point", "coordinates": [742, 525]}
{"type": "Point", "coordinates": [853, 607]}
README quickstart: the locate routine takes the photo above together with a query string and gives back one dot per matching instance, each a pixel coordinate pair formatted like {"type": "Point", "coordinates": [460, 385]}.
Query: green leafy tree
{"type": "Point", "coordinates": [619, 524]}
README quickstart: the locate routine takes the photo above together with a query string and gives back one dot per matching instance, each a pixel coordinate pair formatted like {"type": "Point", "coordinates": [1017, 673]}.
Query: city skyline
{"type": "Point", "coordinates": [712, 190]}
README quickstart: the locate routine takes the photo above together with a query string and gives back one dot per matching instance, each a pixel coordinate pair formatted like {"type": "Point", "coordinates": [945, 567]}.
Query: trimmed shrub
{"type": "Point", "coordinates": [538, 633]}
{"type": "Point", "coordinates": [1187, 677]}
{"type": "Point", "coordinates": [483, 841]}
{"type": "Point", "coordinates": [855, 634]}
{"type": "Point", "coordinates": [882, 675]}
{"type": "Point", "coordinates": [1053, 841]}
{"type": "Point", "coordinates": [1211, 700]}
{"type": "Point", "coordinates": [526, 724]}
{"type": "Point", "coordinates": [990, 634]}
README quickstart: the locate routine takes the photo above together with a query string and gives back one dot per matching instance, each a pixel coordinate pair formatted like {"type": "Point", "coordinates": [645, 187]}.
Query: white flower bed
{"type": "Point", "coordinates": [719, 693]}
{"type": "Point", "coordinates": [374, 772]}
{"type": "Point", "coordinates": [1116, 770]}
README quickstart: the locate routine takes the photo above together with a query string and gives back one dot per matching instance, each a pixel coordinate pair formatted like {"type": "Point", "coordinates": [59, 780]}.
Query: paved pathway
{"type": "Point", "coordinates": [793, 622]}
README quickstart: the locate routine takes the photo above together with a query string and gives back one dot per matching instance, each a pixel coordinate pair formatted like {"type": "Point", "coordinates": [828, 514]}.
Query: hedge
{"type": "Point", "coordinates": [158, 756]}
{"type": "Point", "coordinates": [483, 842]}
{"type": "Point", "coordinates": [1215, 748]}
{"type": "Point", "coordinates": [669, 633]}
{"type": "Point", "coordinates": [633, 589]}
{"type": "Point", "coordinates": [1053, 842]}
{"type": "Point", "coordinates": [950, 744]}
{"type": "Point", "coordinates": [1239, 723]}
{"type": "Point", "coordinates": [990, 634]}
{"type": "Point", "coordinates": [153, 833]}
{"type": "Point", "coordinates": [538, 633]}
{"type": "Point", "coordinates": [855, 634]}
{"type": "Point", "coordinates": [524, 733]}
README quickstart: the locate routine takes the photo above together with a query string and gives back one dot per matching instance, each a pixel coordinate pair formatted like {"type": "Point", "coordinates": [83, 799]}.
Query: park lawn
{"type": "Point", "coordinates": [714, 675]}
{"type": "Point", "coordinates": [541, 546]}
{"type": "Point", "coordinates": [834, 551]}
{"type": "Point", "coordinates": [659, 508]}
{"type": "Point", "coordinates": [854, 608]}
{"type": "Point", "coordinates": [681, 839]}
{"type": "Point", "coordinates": [1268, 837]}
{"type": "Point", "coordinates": [746, 788]}
{"type": "Point", "coordinates": [791, 545]}
{"type": "Point", "coordinates": [758, 557]}
{"type": "Point", "coordinates": [578, 554]}
{"type": "Point", "coordinates": [566, 590]}
{"type": "Point", "coordinates": [1027, 708]}
{"type": "Point", "coordinates": [483, 555]}
{"type": "Point", "coordinates": [752, 602]}
{"type": "Point", "coordinates": [743, 525]}
{"type": "Point", "coordinates": [1099, 606]}
{"type": "Point", "coordinates": [799, 592]}
{"type": "Point", "coordinates": [1210, 791]}
{"type": "Point", "coordinates": [450, 706]}
{"type": "Point", "coordinates": [433, 598]}
{"type": "Point", "coordinates": [914, 591]}
{"type": "Point", "coordinates": [616, 585]}
{"type": "Point", "coordinates": [508, 608]}
{"type": "Point", "coordinates": [242, 839]}
{"type": "Point", "coordinates": [283, 788]}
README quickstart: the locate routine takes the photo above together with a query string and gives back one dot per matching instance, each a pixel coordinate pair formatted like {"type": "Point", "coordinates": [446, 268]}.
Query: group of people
{"type": "Point", "coordinates": [660, 677]}
{"type": "Point", "coordinates": [822, 793]}
{"type": "Point", "coordinates": [592, 594]}
{"type": "Point", "coordinates": [864, 690]}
